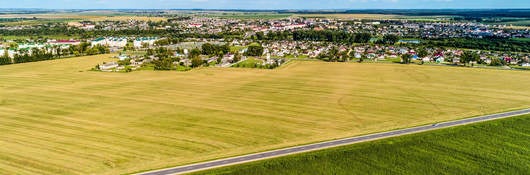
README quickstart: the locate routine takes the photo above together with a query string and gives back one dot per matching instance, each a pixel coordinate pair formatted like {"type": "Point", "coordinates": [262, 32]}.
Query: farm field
{"type": "Point", "coordinates": [75, 18]}
{"type": "Point", "coordinates": [60, 118]}
{"type": "Point", "coordinates": [494, 147]}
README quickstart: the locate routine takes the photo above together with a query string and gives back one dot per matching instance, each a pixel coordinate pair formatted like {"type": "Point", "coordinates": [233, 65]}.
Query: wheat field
{"type": "Point", "coordinates": [57, 117]}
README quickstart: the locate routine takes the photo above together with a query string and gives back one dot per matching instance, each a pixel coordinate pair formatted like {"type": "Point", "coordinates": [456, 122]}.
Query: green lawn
{"type": "Point", "coordinates": [234, 49]}
{"type": "Point", "coordinates": [495, 147]}
{"type": "Point", "coordinates": [249, 63]}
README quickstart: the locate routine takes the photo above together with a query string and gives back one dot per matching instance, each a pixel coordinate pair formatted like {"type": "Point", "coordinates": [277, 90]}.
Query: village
{"type": "Point", "coordinates": [277, 39]}
{"type": "Point", "coordinates": [276, 51]}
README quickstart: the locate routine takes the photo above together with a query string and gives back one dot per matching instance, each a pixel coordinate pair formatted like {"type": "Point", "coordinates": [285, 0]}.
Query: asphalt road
{"type": "Point", "coordinates": [328, 144]}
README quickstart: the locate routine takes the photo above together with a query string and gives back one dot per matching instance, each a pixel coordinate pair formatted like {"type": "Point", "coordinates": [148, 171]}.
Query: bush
{"type": "Point", "coordinates": [496, 62]}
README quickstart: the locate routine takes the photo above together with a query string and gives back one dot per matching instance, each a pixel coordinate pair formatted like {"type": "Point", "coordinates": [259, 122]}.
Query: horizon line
{"type": "Point", "coordinates": [249, 9]}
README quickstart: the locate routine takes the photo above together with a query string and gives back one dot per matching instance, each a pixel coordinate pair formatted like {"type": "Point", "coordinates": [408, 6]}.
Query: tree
{"type": "Point", "coordinates": [208, 49]}
{"type": "Point", "coordinates": [237, 57]}
{"type": "Point", "coordinates": [406, 58]}
{"type": "Point", "coordinates": [4, 59]}
{"type": "Point", "coordinates": [469, 56]}
{"type": "Point", "coordinates": [196, 62]}
{"type": "Point", "coordinates": [496, 62]}
{"type": "Point", "coordinates": [422, 52]}
{"type": "Point", "coordinates": [362, 37]}
{"type": "Point", "coordinates": [125, 62]}
{"type": "Point", "coordinates": [194, 53]}
{"type": "Point", "coordinates": [363, 57]}
{"type": "Point", "coordinates": [390, 39]}
{"type": "Point", "coordinates": [254, 50]}
{"type": "Point", "coordinates": [163, 64]}
{"type": "Point", "coordinates": [260, 36]}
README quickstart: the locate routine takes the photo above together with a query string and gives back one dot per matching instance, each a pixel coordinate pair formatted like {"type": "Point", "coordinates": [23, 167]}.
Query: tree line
{"type": "Point", "coordinates": [315, 35]}
{"type": "Point", "coordinates": [494, 44]}
{"type": "Point", "coordinates": [67, 31]}
{"type": "Point", "coordinates": [50, 53]}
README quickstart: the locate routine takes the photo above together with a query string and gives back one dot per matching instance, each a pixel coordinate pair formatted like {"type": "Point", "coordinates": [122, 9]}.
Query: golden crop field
{"type": "Point", "coordinates": [81, 17]}
{"type": "Point", "coordinates": [56, 117]}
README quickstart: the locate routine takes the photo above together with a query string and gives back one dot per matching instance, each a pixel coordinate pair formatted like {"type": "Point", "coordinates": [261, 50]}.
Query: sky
{"type": "Point", "coordinates": [264, 4]}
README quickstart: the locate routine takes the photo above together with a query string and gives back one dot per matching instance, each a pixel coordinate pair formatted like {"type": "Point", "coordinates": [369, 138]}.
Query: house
{"type": "Point", "coordinates": [10, 52]}
{"type": "Point", "coordinates": [194, 25]}
{"type": "Point", "coordinates": [88, 27]}
{"type": "Point", "coordinates": [357, 55]}
{"type": "Point", "coordinates": [456, 60]}
{"type": "Point", "coordinates": [139, 42]}
{"type": "Point", "coordinates": [487, 60]}
{"type": "Point", "coordinates": [108, 66]}
{"type": "Point", "coordinates": [185, 62]}
{"type": "Point", "coordinates": [110, 41]}
{"type": "Point", "coordinates": [117, 42]}
{"type": "Point", "coordinates": [98, 41]}
{"type": "Point", "coordinates": [440, 59]}
{"type": "Point", "coordinates": [64, 42]}
{"type": "Point", "coordinates": [123, 57]}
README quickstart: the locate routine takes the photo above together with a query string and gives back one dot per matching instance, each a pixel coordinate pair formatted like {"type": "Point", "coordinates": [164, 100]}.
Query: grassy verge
{"type": "Point", "coordinates": [485, 148]}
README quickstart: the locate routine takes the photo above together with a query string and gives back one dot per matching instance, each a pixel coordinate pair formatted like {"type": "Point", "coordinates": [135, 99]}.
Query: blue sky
{"type": "Point", "coordinates": [263, 4]}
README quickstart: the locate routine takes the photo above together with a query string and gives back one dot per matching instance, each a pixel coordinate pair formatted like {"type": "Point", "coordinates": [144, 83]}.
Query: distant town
{"type": "Point", "coordinates": [153, 42]}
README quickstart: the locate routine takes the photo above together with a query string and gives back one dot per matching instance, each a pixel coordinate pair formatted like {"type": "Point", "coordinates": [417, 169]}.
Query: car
{"type": "Point", "coordinates": [436, 124]}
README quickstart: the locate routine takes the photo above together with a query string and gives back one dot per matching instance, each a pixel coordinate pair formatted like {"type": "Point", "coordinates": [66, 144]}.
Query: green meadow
{"type": "Point", "coordinates": [494, 147]}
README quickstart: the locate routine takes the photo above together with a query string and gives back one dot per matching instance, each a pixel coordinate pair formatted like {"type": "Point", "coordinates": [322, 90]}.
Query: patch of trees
{"type": "Point", "coordinates": [469, 56]}
{"type": "Point", "coordinates": [254, 50]}
{"type": "Point", "coordinates": [211, 49]}
{"type": "Point", "coordinates": [495, 44]}
{"type": "Point", "coordinates": [497, 62]}
{"type": "Point", "coordinates": [4, 59]}
{"type": "Point", "coordinates": [406, 58]}
{"type": "Point", "coordinates": [65, 30]}
{"type": "Point", "coordinates": [165, 63]}
{"type": "Point", "coordinates": [389, 39]}
{"type": "Point", "coordinates": [314, 35]}
{"type": "Point", "coordinates": [331, 36]}
{"type": "Point", "coordinates": [160, 52]}
{"type": "Point", "coordinates": [36, 54]}
{"type": "Point", "coordinates": [334, 55]}
{"type": "Point", "coordinates": [164, 59]}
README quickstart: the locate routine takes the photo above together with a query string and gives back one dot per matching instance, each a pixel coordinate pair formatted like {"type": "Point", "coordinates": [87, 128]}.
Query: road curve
{"type": "Point", "coordinates": [328, 144]}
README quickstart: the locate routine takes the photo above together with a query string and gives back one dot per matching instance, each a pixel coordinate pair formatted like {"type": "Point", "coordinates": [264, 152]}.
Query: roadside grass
{"type": "Point", "coordinates": [60, 118]}
{"type": "Point", "coordinates": [493, 147]}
